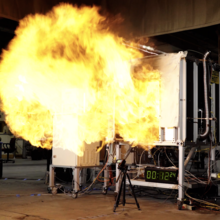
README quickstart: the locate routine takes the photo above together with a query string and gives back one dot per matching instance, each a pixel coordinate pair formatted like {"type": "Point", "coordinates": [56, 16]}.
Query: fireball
{"type": "Point", "coordinates": [68, 62]}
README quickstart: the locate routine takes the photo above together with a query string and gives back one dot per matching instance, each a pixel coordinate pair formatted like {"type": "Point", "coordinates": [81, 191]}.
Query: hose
{"type": "Point", "coordinates": [192, 151]}
{"type": "Point", "coordinates": [204, 135]}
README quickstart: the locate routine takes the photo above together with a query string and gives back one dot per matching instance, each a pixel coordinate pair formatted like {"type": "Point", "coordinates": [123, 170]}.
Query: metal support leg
{"type": "Point", "coordinates": [106, 176]}
{"type": "Point", "coordinates": [124, 174]}
{"type": "Point", "coordinates": [118, 156]}
{"type": "Point", "coordinates": [51, 180]}
{"type": "Point", "coordinates": [181, 174]}
{"type": "Point", "coordinates": [82, 177]}
{"type": "Point", "coordinates": [118, 196]}
{"type": "Point", "coordinates": [124, 189]}
{"type": "Point", "coordinates": [133, 193]}
{"type": "Point", "coordinates": [76, 179]}
{"type": "Point", "coordinates": [213, 161]}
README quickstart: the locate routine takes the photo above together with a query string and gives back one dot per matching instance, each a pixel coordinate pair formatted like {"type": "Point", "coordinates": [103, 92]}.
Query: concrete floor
{"type": "Point", "coordinates": [24, 196]}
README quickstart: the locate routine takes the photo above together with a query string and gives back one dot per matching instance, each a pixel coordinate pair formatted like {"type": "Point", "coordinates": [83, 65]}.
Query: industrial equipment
{"type": "Point", "coordinates": [188, 137]}
{"type": "Point", "coordinates": [62, 157]}
{"type": "Point", "coordinates": [189, 110]}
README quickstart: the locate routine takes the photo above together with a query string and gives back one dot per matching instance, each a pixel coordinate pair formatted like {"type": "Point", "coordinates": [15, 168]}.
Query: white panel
{"type": "Point", "coordinates": [65, 145]}
{"type": "Point", "coordinates": [63, 157]}
{"type": "Point", "coordinates": [63, 127]}
{"type": "Point", "coordinates": [169, 134]}
{"type": "Point", "coordinates": [90, 158]}
{"type": "Point", "coordinates": [169, 67]}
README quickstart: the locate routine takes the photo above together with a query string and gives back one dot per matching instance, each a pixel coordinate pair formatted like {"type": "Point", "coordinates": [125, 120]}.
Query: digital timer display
{"type": "Point", "coordinates": [161, 175]}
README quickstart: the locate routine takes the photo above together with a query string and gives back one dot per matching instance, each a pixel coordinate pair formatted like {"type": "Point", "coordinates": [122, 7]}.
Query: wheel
{"type": "Point", "coordinates": [54, 190]}
{"type": "Point", "coordinates": [104, 191]}
{"type": "Point", "coordinates": [179, 205]}
{"type": "Point", "coordinates": [49, 190]}
{"type": "Point", "coordinates": [74, 195]}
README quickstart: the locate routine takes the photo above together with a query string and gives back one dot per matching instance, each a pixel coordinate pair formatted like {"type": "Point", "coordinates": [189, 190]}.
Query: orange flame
{"type": "Point", "coordinates": [68, 63]}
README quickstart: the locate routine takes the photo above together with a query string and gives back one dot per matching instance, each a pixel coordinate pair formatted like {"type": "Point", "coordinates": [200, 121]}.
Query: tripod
{"type": "Point", "coordinates": [124, 174]}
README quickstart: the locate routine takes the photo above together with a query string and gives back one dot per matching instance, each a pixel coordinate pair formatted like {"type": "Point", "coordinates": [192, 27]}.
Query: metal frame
{"type": "Point", "coordinates": [195, 101]}
{"type": "Point", "coordinates": [178, 140]}
{"type": "Point", "coordinates": [75, 174]}
{"type": "Point", "coordinates": [76, 171]}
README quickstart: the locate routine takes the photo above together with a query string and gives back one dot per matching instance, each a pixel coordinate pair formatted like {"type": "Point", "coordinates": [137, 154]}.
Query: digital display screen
{"type": "Point", "coordinates": [161, 175]}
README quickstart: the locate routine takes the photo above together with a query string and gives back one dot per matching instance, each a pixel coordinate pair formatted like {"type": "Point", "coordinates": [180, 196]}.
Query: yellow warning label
{"type": "Point", "coordinates": [215, 77]}
{"type": "Point", "coordinates": [218, 175]}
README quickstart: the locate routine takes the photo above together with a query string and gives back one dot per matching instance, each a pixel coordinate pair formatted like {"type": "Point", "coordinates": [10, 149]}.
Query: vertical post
{"type": "Point", "coordinates": [118, 156]}
{"type": "Point", "coordinates": [82, 177]}
{"type": "Point", "coordinates": [51, 180]}
{"type": "Point", "coordinates": [219, 107]}
{"type": "Point", "coordinates": [161, 134]}
{"type": "Point", "coordinates": [213, 128]}
{"type": "Point", "coordinates": [181, 172]}
{"type": "Point", "coordinates": [184, 101]}
{"type": "Point", "coordinates": [182, 129]}
{"type": "Point", "coordinates": [106, 176]}
{"type": "Point", "coordinates": [174, 135]}
{"type": "Point", "coordinates": [218, 33]}
{"type": "Point", "coordinates": [213, 107]}
{"type": "Point", "coordinates": [1, 162]}
{"type": "Point", "coordinates": [182, 105]}
{"type": "Point", "coordinates": [111, 151]}
{"type": "Point", "coordinates": [195, 101]}
{"type": "Point", "coordinates": [76, 179]}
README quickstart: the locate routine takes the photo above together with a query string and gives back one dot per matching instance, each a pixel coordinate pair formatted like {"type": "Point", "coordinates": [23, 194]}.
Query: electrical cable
{"type": "Point", "coordinates": [202, 201]}
{"type": "Point", "coordinates": [170, 159]}
{"type": "Point", "coordinates": [195, 51]}
{"type": "Point", "coordinates": [86, 189]}
{"type": "Point", "coordinates": [188, 175]}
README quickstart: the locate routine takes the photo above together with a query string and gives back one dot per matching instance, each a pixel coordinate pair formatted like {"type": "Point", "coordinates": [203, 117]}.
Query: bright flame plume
{"type": "Point", "coordinates": [67, 62]}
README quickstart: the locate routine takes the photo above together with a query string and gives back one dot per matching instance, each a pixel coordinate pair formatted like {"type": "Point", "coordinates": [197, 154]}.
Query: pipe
{"type": "Point", "coordinates": [192, 151]}
{"type": "Point", "coordinates": [200, 130]}
{"type": "Point", "coordinates": [204, 135]}
{"type": "Point", "coordinates": [181, 173]}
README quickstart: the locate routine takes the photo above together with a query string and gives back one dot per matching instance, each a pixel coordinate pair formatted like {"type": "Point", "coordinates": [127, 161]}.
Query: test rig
{"type": "Point", "coordinates": [188, 125]}
{"type": "Point", "coordinates": [189, 113]}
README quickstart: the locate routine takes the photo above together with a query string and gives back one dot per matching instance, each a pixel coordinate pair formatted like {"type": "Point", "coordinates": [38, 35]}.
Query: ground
{"type": "Point", "coordinates": [24, 196]}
